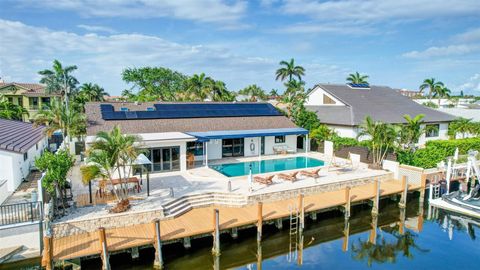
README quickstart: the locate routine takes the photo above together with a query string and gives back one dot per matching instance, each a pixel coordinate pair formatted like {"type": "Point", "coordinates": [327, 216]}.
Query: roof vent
{"type": "Point", "coordinates": [359, 85]}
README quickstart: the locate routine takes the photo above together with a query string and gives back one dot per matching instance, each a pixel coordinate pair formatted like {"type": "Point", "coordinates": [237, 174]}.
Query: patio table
{"type": "Point", "coordinates": [129, 180]}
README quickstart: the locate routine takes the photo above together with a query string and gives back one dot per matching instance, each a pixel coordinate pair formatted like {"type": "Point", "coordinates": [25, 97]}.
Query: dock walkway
{"type": "Point", "coordinates": [198, 221]}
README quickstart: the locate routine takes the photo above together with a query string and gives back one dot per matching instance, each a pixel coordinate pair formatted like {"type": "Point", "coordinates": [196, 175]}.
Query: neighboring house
{"type": "Point", "coordinates": [344, 108]}
{"type": "Point", "coordinates": [447, 103]}
{"type": "Point", "coordinates": [175, 132]}
{"type": "Point", "coordinates": [20, 144]}
{"type": "Point", "coordinates": [410, 93]}
{"type": "Point", "coordinates": [31, 96]}
{"type": "Point", "coordinates": [473, 114]}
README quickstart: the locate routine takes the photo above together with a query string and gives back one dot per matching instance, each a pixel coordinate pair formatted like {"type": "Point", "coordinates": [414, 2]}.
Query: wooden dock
{"type": "Point", "coordinates": [198, 221]}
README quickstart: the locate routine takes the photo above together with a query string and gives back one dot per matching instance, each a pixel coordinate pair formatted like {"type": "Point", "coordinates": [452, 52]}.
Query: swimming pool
{"type": "Point", "coordinates": [266, 166]}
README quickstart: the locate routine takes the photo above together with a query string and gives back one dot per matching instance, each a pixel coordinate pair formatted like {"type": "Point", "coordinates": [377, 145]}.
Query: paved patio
{"type": "Point", "coordinates": [203, 179]}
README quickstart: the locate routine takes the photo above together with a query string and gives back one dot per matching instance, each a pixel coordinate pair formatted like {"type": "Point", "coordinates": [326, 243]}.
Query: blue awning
{"type": "Point", "coordinates": [234, 134]}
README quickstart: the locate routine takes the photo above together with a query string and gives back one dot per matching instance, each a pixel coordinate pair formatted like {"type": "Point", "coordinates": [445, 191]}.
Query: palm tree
{"type": "Point", "coordinates": [92, 92]}
{"type": "Point", "coordinates": [382, 137]}
{"type": "Point", "coordinates": [357, 78]}
{"type": "Point", "coordinates": [431, 84]}
{"type": "Point", "coordinates": [59, 80]}
{"type": "Point", "coordinates": [274, 93]}
{"type": "Point", "coordinates": [220, 92]}
{"type": "Point", "coordinates": [412, 130]}
{"type": "Point", "coordinates": [441, 92]}
{"type": "Point", "coordinates": [463, 126]}
{"type": "Point", "coordinates": [254, 92]}
{"type": "Point", "coordinates": [110, 157]}
{"type": "Point", "coordinates": [11, 111]}
{"type": "Point", "coordinates": [58, 117]}
{"type": "Point", "coordinates": [289, 70]}
{"type": "Point", "coordinates": [200, 86]}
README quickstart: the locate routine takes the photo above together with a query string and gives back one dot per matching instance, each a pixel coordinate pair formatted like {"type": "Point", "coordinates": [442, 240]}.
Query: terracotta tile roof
{"type": "Point", "coordinates": [33, 89]}
{"type": "Point", "coordinates": [18, 136]}
{"type": "Point", "coordinates": [96, 123]}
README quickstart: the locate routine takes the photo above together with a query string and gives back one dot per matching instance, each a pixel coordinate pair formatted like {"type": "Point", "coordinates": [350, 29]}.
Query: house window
{"type": "Point", "coordinates": [279, 139]}
{"type": "Point", "coordinates": [196, 148]}
{"type": "Point", "coordinates": [45, 102]}
{"type": "Point", "coordinates": [432, 130]}
{"type": "Point", "coordinates": [328, 100]}
{"type": "Point", "coordinates": [25, 156]}
{"type": "Point", "coordinates": [33, 101]}
{"type": "Point", "coordinates": [20, 101]}
{"type": "Point", "coordinates": [10, 99]}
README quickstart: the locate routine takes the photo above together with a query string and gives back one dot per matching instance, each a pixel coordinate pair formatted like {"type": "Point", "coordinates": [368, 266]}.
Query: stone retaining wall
{"type": "Point", "coordinates": [62, 229]}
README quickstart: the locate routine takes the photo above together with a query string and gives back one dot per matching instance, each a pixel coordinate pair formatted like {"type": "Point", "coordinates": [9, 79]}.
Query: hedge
{"type": "Point", "coordinates": [436, 151]}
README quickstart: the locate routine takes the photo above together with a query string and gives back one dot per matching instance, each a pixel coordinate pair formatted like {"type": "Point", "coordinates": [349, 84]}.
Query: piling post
{"type": "Point", "coordinates": [403, 198]}
{"type": "Point", "coordinates": [103, 244]}
{"type": "Point", "coordinates": [259, 256]}
{"type": "Point", "coordinates": [376, 198]}
{"type": "Point", "coordinates": [259, 221]}
{"type": "Point", "coordinates": [216, 233]}
{"type": "Point", "coordinates": [301, 209]}
{"type": "Point", "coordinates": [423, 184]}
{"type": "Point", "coordinates": [347, 202]}
{"type": "Point", "coordinates": [47, 259]}
{"type": "Point", "coordinates": [157, 244]}
{"type": "Point", "coordinates": [430, 192]}
{"type": "Point", "coordinates": [300, 249]}
{"type": "Point", "coordinates": [401, 226]}
{"type": "Point", "coordinates": [346, 235]}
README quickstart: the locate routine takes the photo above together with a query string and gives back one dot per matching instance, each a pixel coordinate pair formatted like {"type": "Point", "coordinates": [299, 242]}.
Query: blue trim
{"type": "Point", "coordinates": [234, 134]}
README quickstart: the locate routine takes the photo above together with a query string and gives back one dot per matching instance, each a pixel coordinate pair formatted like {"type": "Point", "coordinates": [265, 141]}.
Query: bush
{"type": "Point", "coordinates": [436, 151]}
{"type": "Point", "coordinates": [430, 104]}
{"type": "Point", "coordinates": [339, 142]}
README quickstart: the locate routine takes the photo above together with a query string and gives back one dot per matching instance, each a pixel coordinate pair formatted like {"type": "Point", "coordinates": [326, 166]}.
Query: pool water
{"type": "Point", "coordinates": [267, 166]}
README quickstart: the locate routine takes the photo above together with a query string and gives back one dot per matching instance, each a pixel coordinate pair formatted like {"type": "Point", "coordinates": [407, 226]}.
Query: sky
{"type": "Point", "coordinates": [397, 43]}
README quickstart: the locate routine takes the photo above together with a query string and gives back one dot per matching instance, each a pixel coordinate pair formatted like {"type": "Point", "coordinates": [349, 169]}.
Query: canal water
{"type": "Point", "coordinates": [440, 241]}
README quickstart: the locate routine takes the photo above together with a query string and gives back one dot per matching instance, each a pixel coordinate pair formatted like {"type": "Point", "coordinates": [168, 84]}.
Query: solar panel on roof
{"type": "Point", "coordinates": [191, 110]}
{"type": "Point", "coordinates": [358, 85]}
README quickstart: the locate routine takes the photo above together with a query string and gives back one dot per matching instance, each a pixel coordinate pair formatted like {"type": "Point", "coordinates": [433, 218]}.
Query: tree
{"type": "Point", "coordinates": [289, 70]}
{"type": "Point", "coordinates": [430, 84]}
{"type": "Point", "coordinates": [58, 117]}
{"type": "Point", "coordinates": [305, 118]}
{"type": "Point", "coordinates": [463, 126]}
{"type": "Point", "coordinates": [274, 93]}
{"type": "Point", "coordinates": [56, 167]}
{"type": "Point", "coordinates": [294, 97]}
{"type": "Point", "coordinates": [155, 83]}
{"type": "Point", "coordinates": [11, 111]}
{"type": "Point", "coordinates": [59, 80]}
{"type": "Point", "coordinates": [220, 92]}
{"type": "Point", "coordinates": [322, 133]}
{"type": "Point", "coordinates": [111, 156]}
{"type": "Point", "coordinates": [441, 92]}
{"type": "Point", "coordinates": [254, 92]}
{"type": "Point", "coordinates": [357, 78]}
{"type": "Point", "coordinates": [200, 86]}
{"type": "Point", "coordinates": [382, 138]}
{"type": "Point", "coordinates": [411, 131]}
{"type": "Point", "coordinates": [92, 92]}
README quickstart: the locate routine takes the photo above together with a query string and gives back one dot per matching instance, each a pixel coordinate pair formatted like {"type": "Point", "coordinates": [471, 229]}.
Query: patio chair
{"type": "Point", "coordinates": [288, 176]}
{"type": "Point", "coordinates": [264, 180]}
{"type": "Point", "coordinates": [314, 174]}
{"type": "Point", "coordinates": [351, 164]}
{"type": "Point", "coordinates": [279, 149]}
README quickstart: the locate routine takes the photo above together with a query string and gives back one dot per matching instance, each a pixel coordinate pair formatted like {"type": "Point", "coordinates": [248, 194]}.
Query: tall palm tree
{"type": "Point", "coordinates": [254, 91]}
{"type": "Point", "coordinates": [462, 126]}
{"type": "Point", "coordinates": [58, 117]}
{"type": "Point", "coordinates": [11, 111]}
{"type": "Point", "coordinates": [200, 86]}
{"type": "Point", "coordinates": [289, 70]}
{"type": "Point", "coordinates": [92, 92]}
{"type": "Point", "coordinates": [412, 130]}
{"type": "Point", "coordinates": [59, 80]}
{"type": "Point", "coordinates": [357, 78]}
{"type": "Point", "coordinates": [441, 92]}
{"type": "Point", "coordinates": [220, 92]}
{"type": "Point", "coordinates": [431, 84]}
{"type": "Point", "coordinates": [110, 157]}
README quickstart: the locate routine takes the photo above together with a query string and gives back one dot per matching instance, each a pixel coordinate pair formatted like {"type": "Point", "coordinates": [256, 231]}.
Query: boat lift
{"type": "Point", "coordinates": [454, 169]}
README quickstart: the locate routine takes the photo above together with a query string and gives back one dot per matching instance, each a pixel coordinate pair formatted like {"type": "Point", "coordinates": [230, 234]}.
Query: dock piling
{"type": "Point", "coordinates": [376, 199]}
{"type": "Point", "coordinates": [346, 235]}
{"type": "Point", "coordinates": [302, 213]}
{"type": "Point", "coordinates": [403, 198]}
{"type": "Point", "coordinates": [373, 233]}
{"type": "Point", "coordinates": [47, 259]}
{"type": "Point", "coordinates": [216, 233]}
{"type": "Point", "coordinates": [347, 202]}
{"type": "Point", "coordinates": [260, 221]}
{"type": "Point", "coordinates": [158, 263]}
{"type": "Point", "coordinates": [103, 243]}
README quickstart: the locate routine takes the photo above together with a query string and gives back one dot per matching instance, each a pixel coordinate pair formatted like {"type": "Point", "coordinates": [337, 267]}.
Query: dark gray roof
{"type": "Point", "coordinates": [96, 123]}
{"type": "Point", "coordinates": [17, 136]}
{"type": "Point", "coordinates": [380, 102]}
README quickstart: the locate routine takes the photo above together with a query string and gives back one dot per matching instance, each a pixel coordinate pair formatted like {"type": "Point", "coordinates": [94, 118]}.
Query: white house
{"type": "Point", "coordinates": [20, 144]}
{"type": "Point", "coordinates": [343, 107]}
{"type": "Point", "coordinates": [178, 135]}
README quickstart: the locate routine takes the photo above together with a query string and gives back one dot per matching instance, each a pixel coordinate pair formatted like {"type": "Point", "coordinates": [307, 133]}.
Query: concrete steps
{"type": "Point", "coordinates": [9, 252]}
{"type": "Point", "coordinates": [183, 204]}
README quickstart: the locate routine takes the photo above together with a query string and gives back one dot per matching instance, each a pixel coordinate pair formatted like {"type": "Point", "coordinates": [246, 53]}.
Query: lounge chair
{"type": "Point", "coordinates": [288, 176]}
{"type": "Point", "coordinates": [313, 174]}
{"type": "Point", "coordinates": [279, 149]}
{"type": "Point", "coordinates": [352, 164]}
{"type": "Point", "coordinates": [264, 180]}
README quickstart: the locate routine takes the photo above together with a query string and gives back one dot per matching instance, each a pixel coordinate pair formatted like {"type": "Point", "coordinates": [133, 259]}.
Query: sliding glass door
{"type": "Point", "coordinates": [164, 159]}
{"type": "Point", "coordinates": [232, 147]}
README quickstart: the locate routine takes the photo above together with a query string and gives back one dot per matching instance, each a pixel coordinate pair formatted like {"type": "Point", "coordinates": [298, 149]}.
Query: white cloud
{"type": "Point", "coordinates": [101, 58]}
{"type": "Point", "coordinates": [451, 50]}
{"type": "Point", "coordinates": [96, 28]}
{"type": "Point", "coordinates": [194, 10]}
{"type": "Point", "coordinates": [315, 27]}
{"type": "Point", "coordinates": [362, 11]}
{"type": "Point", "coordinates": [473, 83]}
{"type": "Point", "coordinates": [468, 36]}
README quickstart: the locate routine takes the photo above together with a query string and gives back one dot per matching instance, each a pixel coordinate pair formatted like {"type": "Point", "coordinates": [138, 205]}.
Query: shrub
{"type": "Point", "coordinates": [430, 104]}
{"type": "Point", "coordinates": [339, 142]}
